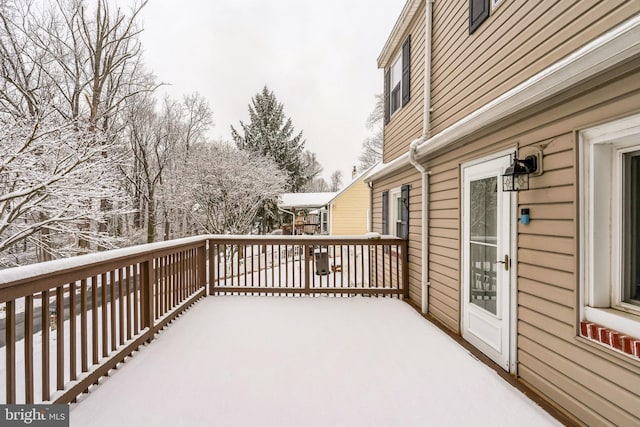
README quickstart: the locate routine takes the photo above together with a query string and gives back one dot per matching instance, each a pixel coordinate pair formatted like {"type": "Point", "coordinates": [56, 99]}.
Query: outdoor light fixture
{"type": "Point", "coordinates": [516, 177]}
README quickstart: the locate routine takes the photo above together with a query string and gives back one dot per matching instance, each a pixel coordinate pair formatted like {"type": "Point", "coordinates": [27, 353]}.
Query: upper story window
{"type": "Point", "coordinates": [610, 226]}
{"type": "Point", "coordinates": [397, 82]}
{"type": "Point", "coordinates": [479, 12]}
{"type": "Point", "coordinates": [396, 85]}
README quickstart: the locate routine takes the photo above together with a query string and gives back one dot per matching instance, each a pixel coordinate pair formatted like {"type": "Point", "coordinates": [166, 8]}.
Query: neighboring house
{"type": "Point", "coordinates": [554, 301]}
{"type": "Point", "coordinates": [349, 210]}
{"type": "Point", "coordinates": [308, 211]}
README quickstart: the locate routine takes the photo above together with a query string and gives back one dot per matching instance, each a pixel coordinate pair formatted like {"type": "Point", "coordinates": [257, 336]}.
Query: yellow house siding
{"type": "Point", "coordinates": [406, 123]}
{"type": "Point", "coordinates": [349, 210]}
{"type": "Point", "coordinates": [518, 40]}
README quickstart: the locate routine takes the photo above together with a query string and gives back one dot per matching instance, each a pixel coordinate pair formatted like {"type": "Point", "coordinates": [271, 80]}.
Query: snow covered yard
{"type": "Point", "coordinates": [244, 361]}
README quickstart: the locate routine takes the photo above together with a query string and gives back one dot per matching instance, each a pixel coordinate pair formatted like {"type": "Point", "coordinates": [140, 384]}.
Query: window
{"type": "Point", "coordinates": [495, 4]}
{"type": "Point", "coordinates": [397, 82]}
{"type": "Point", "coordinates": [478, 13]}
{"type": "Point", "coordinates": [395, 209]}
{"type": "Point", "coordinates": [610, 224]}
{"type": "Point", "coordinates": [324, 221]}
{"type": "Point", "coordinates": [395, 212]}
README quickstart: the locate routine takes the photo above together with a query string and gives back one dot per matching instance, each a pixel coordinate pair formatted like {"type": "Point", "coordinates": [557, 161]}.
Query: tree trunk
{"type": "Point", "coordinates": [151, 217]}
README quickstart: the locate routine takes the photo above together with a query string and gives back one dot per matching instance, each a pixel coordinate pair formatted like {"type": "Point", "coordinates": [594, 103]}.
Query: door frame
{"type": "Point", "coordinates": [512, 303]}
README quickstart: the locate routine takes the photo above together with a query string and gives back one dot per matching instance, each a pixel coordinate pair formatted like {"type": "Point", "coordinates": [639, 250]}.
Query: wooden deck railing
{"type": "Point", "coordinates": [69, 322]}
{"type": "Point", "coordinates": [78, 318]}
{"type": "Point", "coordinates": [302, 265]}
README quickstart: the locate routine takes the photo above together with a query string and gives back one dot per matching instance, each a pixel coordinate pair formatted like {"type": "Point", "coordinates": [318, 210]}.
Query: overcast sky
{"type": "Point", "coordinates": [319, 57]}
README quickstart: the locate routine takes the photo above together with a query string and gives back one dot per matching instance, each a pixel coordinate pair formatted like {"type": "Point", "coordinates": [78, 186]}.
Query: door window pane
{"type": "Point", "coordinates": [483, 243]}
{"type": "Point", "coordinates": [483, 210]}
{"type": "Point", "coordinates": [482, 275]}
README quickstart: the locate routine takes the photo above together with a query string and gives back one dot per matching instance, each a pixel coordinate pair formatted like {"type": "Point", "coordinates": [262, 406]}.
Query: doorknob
{"type": "Point", "coordinates": [505, 262]}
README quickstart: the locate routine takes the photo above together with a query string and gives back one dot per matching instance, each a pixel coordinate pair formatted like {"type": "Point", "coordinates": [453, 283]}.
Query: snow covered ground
{"type": "Point", "coordinates": [277, 361]}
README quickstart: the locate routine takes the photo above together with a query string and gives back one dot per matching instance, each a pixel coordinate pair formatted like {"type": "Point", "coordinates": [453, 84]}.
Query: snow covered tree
{"type": "Point", "coordinates": [312, 170]}
{"type": "Point", "coordinates": [66, 71]}
{"type": "Point", "coordinates": [158, 173]}
{"type": "Point", "coordinates": [269, 133]}
{"type": "Point", "coordinates": [317, 185]}
{"type": "Point", "coordinates": [231, 186]}
{"type": "Point", "coordinates": [48, 171]}
{"type": "Point", "coordinates": [336, 181]}
{"type": "Point", "coordinates": [372, 145]}
{"type": "Point", "coordinates": [192, 118]}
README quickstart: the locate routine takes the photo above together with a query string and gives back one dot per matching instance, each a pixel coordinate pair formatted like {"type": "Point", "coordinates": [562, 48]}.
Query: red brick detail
{"type": "Point", "coordinates": [594, 332]}
{"type": "Point", "coordinates": [611, 338]}
{"type": "Point", "coordinates": [584, 329]}
{"type": "Point", "coordinates": [605, 336]}
{"type": "Point", "coordinates": [616, 340]}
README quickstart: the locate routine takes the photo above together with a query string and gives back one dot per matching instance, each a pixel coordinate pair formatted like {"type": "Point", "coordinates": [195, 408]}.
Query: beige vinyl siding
{"type": "Point", "coordinates": [585, 378]}
{"type": "Point", "coordinates": [412, 177]}
{"type": "Point", "coordinates": [406, 124]}
{"type": "Point", "coordinates": [517, 41]}
{"type": "Point", "coordinates": [349, 210]}
{"type": "Point", "coordinates": [444, 220]}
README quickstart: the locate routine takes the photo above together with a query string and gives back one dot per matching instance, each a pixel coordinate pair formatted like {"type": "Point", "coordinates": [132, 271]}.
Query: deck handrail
{"type": "Point", "coordinates": [108, 304]}
{"type": "Point", "coordinates": [372, 265]}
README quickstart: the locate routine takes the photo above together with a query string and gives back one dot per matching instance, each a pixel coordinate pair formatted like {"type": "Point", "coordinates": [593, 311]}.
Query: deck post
{"type": "Point", "coordinates": [201, 253]}
{"type": "Point", "coordinates": [307, 269]}
{"type": "Point", "coordinates": [405, 270]}
{"type": "Point", "coordinates": [146, 293]}
{"type": "Point", "coordinates": [212, 265]}
{"type": "Point", "coordinates": [10, 344]}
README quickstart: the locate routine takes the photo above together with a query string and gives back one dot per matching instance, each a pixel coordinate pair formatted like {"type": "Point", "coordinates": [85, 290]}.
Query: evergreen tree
{"type": "Point", "coordinates": [269, 133]}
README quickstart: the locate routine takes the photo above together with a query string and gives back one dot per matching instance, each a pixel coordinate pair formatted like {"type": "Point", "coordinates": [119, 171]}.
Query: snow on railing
{"type": "Point", "coordinates": [68, 322]}
{"type": "Point", "coordinates": [301, 265]}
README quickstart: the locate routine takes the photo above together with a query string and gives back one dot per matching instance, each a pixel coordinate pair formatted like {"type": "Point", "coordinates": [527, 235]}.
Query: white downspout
{"type": "Point", "coordinates": [421, 169]}
{"type": "Point", "coordinates": [293, 220]}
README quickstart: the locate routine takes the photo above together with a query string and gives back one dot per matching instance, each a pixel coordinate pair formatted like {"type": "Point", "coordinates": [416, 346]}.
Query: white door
{"type": "Point", "coordinates": [486, 257]}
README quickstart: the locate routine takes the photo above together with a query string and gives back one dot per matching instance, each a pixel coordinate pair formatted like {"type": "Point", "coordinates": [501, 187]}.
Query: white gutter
{"type": "Point", "coordinates": [413, 147]}
{"type": "Point", "coordinates": [610, 49]}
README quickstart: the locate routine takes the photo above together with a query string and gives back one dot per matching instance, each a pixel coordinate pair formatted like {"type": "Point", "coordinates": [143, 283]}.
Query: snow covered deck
{"type": "Point", "coordinates": [231, 361]}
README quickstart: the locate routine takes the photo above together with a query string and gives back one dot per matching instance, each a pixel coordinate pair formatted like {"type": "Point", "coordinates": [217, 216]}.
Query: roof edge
{"type": "Point", "coordinates": [408, 11]}
{"type": "Point", "coordinates": [360, 177]}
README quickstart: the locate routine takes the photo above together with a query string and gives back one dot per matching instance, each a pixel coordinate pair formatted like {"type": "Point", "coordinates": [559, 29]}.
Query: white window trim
{"type": "Point", "coordinates": [394, 195]}
{"type": "Point", "coordinates": [323, 217]}
{"type": "Point", "coordinates": [495, 4]}
{"type": "Point", "coordinates": [600, 223]}
{"type": "Point", "coordinates": [398, 60]}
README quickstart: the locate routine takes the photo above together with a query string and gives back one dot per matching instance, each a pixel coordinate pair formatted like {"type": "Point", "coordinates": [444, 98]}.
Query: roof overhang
{"type": "Point", "coordinates": [615, 47]}
{"type": "Point", "coordinates": [304, 200]}
{"type": "Point", "coordinates": [403, 22]}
